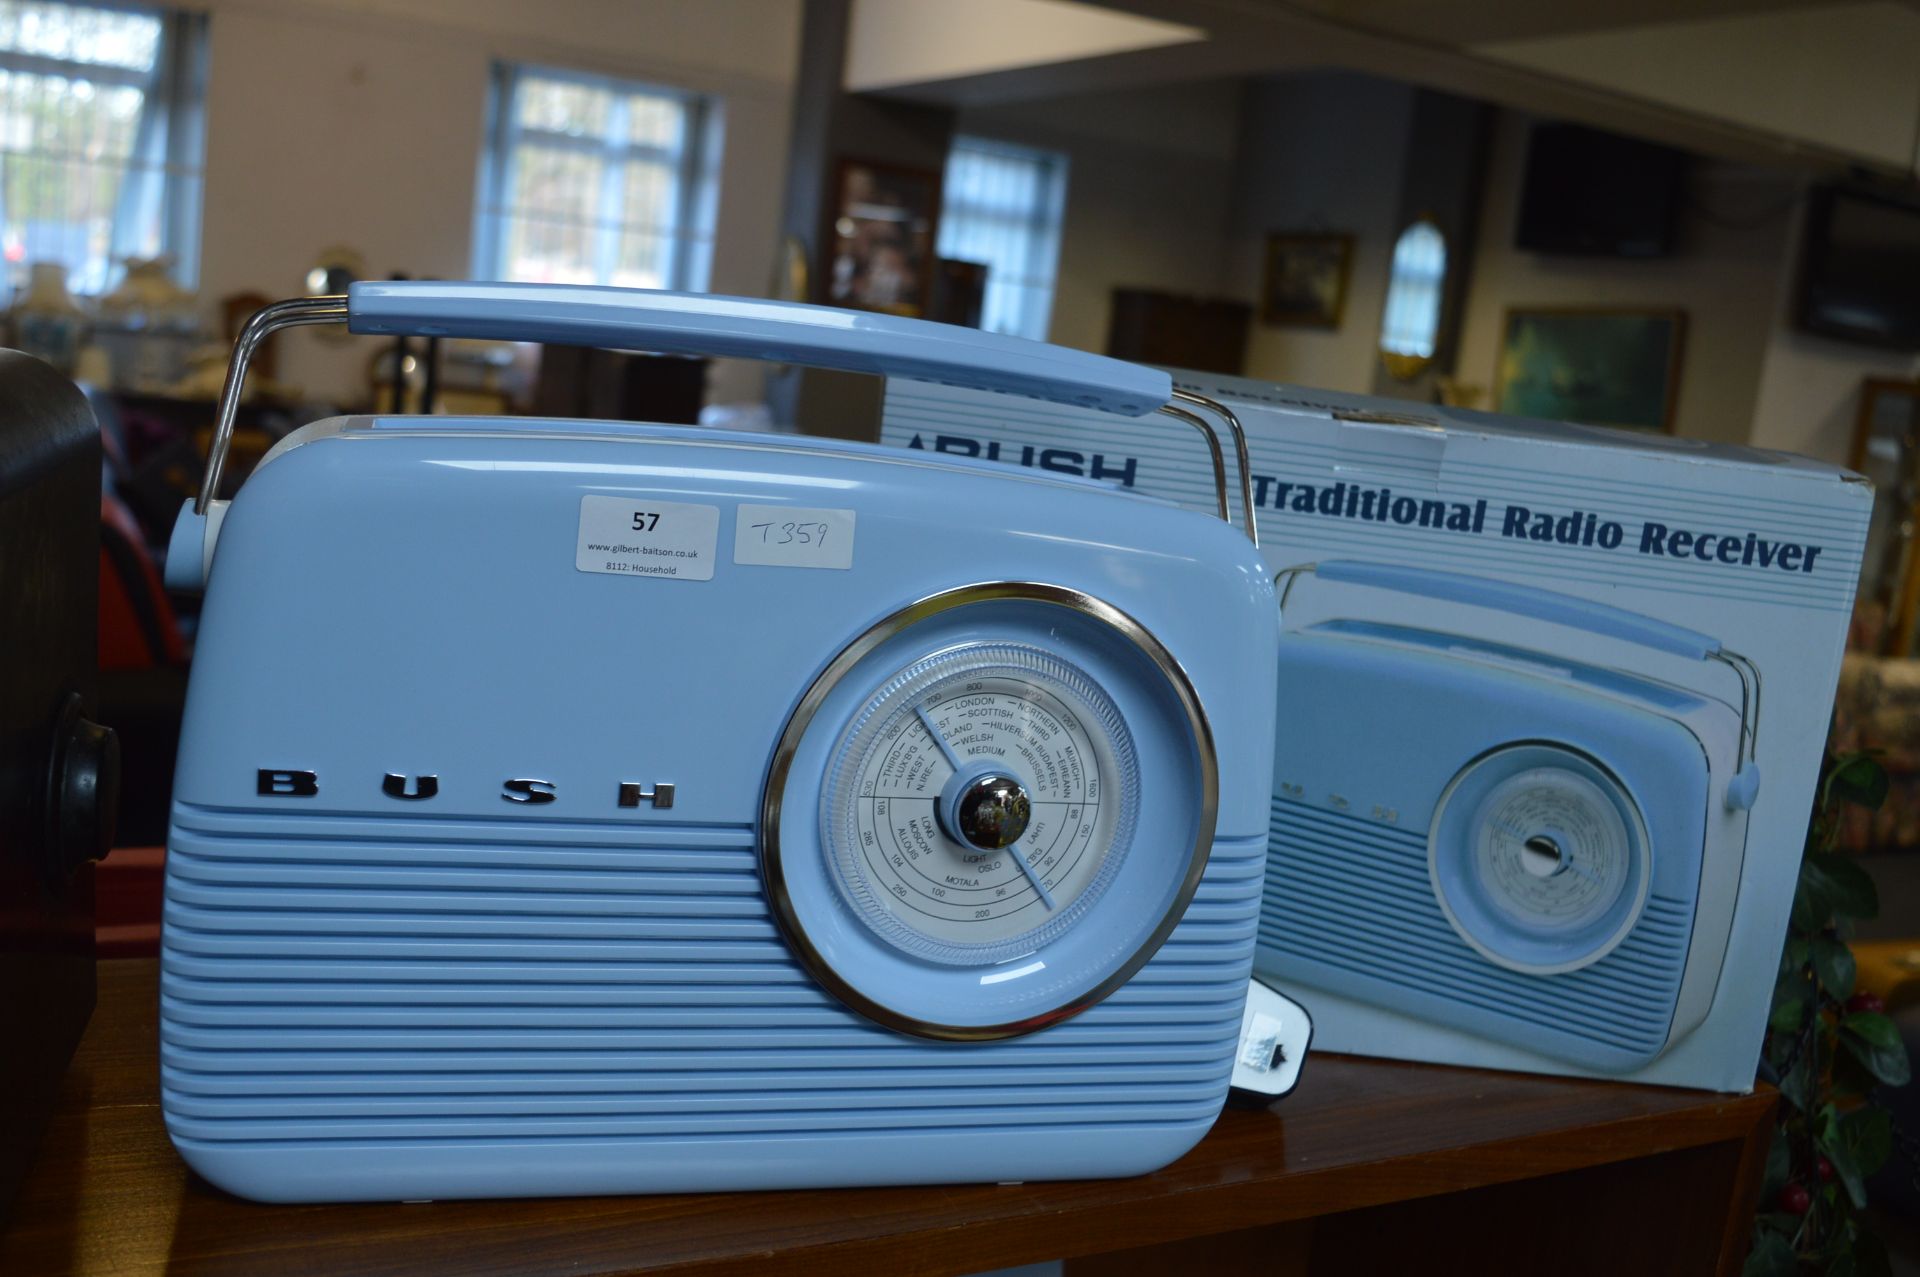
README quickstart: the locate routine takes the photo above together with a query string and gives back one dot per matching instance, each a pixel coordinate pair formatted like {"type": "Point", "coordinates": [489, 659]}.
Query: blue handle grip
{"type": "Point", "coordinates": [1540, 605]}
{"type": "Point", "coordinates": [784, 332]}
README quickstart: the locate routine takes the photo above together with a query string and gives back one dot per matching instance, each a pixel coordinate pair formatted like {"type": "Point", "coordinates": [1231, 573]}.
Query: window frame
{"type": "Point", "coordinates": [1045, 222]}
{"type": "Point", "coordinates": [177, 81]}
{"type": "Point", "coordinates": [690, 232]}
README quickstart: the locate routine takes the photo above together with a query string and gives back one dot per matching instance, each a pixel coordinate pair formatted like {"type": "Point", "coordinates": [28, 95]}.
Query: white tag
{"type": "Point", "coordinates": [1260, 1043]}
{"type": "Point", "coordinates": [638, 536]}
{"type": "Point", "coordinates": [784, 536]}
{"type": "Point", "coordinates": [1274, 1035]}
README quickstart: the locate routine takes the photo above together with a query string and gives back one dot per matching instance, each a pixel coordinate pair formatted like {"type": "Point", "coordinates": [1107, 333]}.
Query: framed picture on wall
{"type": "Point", "coordinates": [1597, 366]}
{"type": "Point", "coordinates": [880, 243]}
{"type": "Point", "coordinates": [1306, 282]}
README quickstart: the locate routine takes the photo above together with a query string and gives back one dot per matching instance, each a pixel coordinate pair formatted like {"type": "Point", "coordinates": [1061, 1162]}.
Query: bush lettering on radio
{"type": "Point", "coordinates": [294, 782]}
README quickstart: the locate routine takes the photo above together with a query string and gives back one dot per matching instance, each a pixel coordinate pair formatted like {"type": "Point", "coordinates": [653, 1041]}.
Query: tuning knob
{"type": "Point", "coordinates": [83, 790]}
{"type": "Point", "coordinates": [992, 812]}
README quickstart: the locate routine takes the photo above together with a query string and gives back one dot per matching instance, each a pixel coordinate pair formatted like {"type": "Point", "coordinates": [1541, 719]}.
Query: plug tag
{"type": "Point", "coordinates": [1274, 1033]}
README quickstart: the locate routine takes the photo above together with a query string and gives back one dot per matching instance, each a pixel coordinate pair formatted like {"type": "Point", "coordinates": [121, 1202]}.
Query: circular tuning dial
{"type": "Point", "coordinates": [954, 840]}
{"type": "Point", "coordinates": [981, 799]}
{"type": "Point", "coordinates": [1539, 858]}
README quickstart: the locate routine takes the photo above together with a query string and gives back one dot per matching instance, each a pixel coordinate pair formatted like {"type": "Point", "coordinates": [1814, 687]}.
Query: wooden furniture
{"type": "Point", "coordinates": [49, 595]}
{"type": "Point", "coordinates": [1409, 1168]}
{"type": "Point", "coordinates": [613, 385]}
{"type": "Point", "coordinates": [959, 292]}
{"type": "Point", "coordinates": [1876, 708]}
{"type": "Point", "coordinates": [1205, 334]}
{"type": "Point", "coordinates": [1891, 969]}
{"type": "Point", "coordinates": [1886, 449]}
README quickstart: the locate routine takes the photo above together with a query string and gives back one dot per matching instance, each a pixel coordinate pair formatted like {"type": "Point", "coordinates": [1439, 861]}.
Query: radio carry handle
{"type": "Point", "coordinates": [741, 327]}
{"type": "Point", "coordinates": [1560, 609]}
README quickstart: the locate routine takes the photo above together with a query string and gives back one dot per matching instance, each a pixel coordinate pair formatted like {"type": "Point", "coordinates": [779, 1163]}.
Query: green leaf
{"type": "Point", "coordinates": [1787, 1016]}
{"type": "Point", "coordinates": [1833, 964]}
{"type": "Point", "coordinates": [1875, 1026]}
{"type": "Point", "coordinates": [1771, 1256]}
{"type": "Point", "coordinates": [1844, 887]}
{"type": "Point", "coordinates": [1850, 1077]}
{"type": "Point", "coordinates": [1868, 1132]}
{"type": "Point", "coordinates": [1797, 1084]}
{"type": "Point", "coordinates": [1872, 1039]}
{"type": "Point", "coordinates": [1794, 956]}
{"type": "Point", "coordinates": [1779, 1165]}
{"type": "Point", "coordinates": [1860, 780]}
{"type": "Point", "coordinates": [1812, 906]}
{"type": "Point", "coordinates": [1837, 1151]}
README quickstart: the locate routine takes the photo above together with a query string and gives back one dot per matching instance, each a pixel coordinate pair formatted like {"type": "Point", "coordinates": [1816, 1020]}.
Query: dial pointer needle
{"type": "Point", "coordinates": [926, 721]}
{"type": "Point", "coordinates": [1032, 877]}
{"type": "Point", "coordinates": [953, 761]}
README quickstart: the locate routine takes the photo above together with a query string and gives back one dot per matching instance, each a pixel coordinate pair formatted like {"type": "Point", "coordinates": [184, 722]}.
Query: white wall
{"type": "Point", "coordinates": [1149, 182]}
{"type": "Point", "coordinates": [1320, 151]}
{"type": "Point", "coordinates": [1725, 273]}
{"type": "Point", "coordinates": [360, 122]}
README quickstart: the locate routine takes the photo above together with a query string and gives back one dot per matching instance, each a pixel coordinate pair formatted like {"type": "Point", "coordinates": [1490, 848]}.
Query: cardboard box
{"type": "Point", "coordinates": [1552, 704]}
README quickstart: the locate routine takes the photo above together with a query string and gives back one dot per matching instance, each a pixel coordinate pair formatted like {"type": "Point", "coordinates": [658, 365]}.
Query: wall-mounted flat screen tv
{"type": "Point", "coordinates": [1860, 268]}
{"type": "Point", "coordinates": [1599, 194]}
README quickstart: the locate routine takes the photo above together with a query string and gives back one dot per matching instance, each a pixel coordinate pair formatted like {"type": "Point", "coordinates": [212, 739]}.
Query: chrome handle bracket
{"type": "Point", "coordinates": [302, 311]}
{"type": "Point", "coordinates": [264, 323]}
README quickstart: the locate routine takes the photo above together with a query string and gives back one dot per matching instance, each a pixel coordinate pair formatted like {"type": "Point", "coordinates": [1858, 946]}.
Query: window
{"type": "Point", "coordinates": [101, 139]}
{"type": "Point", "coordinates": [589, 180]}
{"type": "Point", "coordinates": [1002, 205]}
{"type": "Point", "coordinates": [1411, 326]}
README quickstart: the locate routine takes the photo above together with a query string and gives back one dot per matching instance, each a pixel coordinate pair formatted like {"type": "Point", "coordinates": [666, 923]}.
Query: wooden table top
{"type": "Point", "coordinates": [108, 1194]}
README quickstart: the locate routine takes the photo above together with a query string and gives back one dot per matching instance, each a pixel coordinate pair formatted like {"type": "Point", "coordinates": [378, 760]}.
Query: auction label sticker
{"type": "Point", "coordinates": [784, 536]}
{"type": "Point", "coordinates": [638, 536]}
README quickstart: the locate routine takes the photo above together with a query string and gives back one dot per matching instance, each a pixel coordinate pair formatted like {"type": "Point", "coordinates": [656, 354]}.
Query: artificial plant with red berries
{"type": "Point", "coordinates": [1828, 1048]}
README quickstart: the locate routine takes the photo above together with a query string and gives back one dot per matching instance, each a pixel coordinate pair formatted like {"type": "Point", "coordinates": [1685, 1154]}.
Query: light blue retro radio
{"type": "Point", "coordinates": [1540, 851]}
{"type": "Point", "coordinates": [573, 807]}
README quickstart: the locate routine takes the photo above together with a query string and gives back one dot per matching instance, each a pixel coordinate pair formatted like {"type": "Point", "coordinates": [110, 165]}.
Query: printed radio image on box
{"type": "Point", "coordinates": [1552, 700]}
{"type": "Point", "coordinates": [588, 807]}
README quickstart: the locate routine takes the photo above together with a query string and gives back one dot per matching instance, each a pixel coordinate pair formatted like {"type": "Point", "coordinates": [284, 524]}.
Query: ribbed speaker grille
{"type": "Point", "coordinates": [1353, 896]}
{"type": "Point", "coordinates": [349, 979]}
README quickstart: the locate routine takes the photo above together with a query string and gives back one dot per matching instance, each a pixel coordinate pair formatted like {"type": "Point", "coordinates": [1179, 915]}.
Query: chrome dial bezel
{"type": "Point", "coordinates": [772, 851]}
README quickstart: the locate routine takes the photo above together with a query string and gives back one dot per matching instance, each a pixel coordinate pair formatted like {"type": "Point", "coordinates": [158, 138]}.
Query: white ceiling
{"type": "Point", "coordinates": [1463, 23]}
{"type": "Point", "coordinates": [1819, 83]}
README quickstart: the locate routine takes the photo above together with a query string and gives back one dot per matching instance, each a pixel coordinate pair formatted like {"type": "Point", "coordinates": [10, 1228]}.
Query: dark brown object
{"type": "Point", "coordinates": [879, 237]}
{"type": "Point", "coordinates": [1204, 334]}
{"type": "Point", "coordinates": [1605, 1177]}
{"type": "Point", "coordinates": [959, 292]}
{"type": "Point", "coordinates": [1895, 582]}
{"type": "Point", "coordinates": [58, 770]}
{"type": "Point", "coordinates": [611, 385]}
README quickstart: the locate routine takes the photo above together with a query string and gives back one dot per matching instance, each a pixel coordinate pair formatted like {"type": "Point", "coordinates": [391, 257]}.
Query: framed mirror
{"type": "Point", "coordinates": [1410, 323]}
